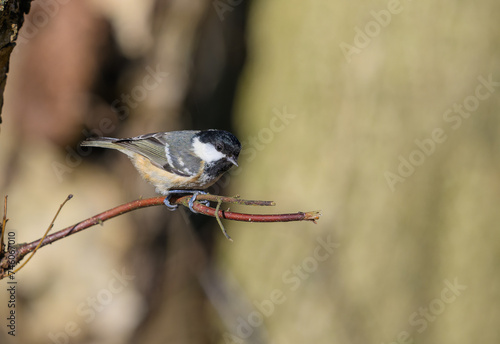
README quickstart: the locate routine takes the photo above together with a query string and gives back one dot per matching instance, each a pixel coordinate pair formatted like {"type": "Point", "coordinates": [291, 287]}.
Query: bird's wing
{"type": "Point", "coordinates": [170, 151]}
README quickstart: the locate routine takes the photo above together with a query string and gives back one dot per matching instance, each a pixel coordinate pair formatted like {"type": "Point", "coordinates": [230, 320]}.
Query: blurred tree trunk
{"type": "Point", "coordinates": [11, 20]}
{"type": "Point", "coordinates": [418, 97]}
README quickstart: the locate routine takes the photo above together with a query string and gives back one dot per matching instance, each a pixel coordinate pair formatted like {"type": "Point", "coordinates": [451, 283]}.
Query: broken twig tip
{"type": "Point", "coordinates": [312, 216]}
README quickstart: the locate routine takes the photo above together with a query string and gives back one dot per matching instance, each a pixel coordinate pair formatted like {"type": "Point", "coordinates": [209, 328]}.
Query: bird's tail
{"type": "Point", "coordinates": [103, 142]}
{"type": "Point", "coordinates": [106, 142]}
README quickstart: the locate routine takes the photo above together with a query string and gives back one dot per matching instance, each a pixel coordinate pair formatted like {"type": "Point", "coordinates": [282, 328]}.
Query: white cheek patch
{"type": "Point", "coordinates": [206, 151]}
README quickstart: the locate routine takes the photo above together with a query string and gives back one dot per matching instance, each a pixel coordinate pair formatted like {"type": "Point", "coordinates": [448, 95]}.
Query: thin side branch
{"type": "Point", "coordinates": [44, 236]}
{"type": "Point", "coordinates": [21, 250]}
{"type": "Point", "coordinates": [4, 224]}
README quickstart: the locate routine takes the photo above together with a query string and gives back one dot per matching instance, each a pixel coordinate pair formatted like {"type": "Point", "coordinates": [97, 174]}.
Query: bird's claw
{"type": "Point", "coordinates": [195, 193]}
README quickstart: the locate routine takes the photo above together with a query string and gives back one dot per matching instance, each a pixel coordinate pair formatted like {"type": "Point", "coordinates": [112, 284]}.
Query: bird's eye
{"type": "Point", "coordinates": [219, 147]}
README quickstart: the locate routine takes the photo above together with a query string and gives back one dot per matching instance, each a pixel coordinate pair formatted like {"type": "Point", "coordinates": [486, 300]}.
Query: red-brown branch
{"type": "Point", "coordinates": [300, 216]}
{"type": "Point", "coordinates": [21, 250]}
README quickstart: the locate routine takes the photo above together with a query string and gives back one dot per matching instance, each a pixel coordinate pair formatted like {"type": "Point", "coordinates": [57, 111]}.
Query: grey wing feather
{"type": "Point", "coordinates": [180, 159]}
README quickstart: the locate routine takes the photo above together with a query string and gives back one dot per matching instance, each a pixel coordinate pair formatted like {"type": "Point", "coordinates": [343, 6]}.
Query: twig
{"type": "Point", "coordinates": [4, 223]}
{"type": "Point", "coordinates": [233, 200]}
{"type": "Point", "coordinates": [22, 250]}
{"type": "Point", "coordinates": [44, 236]}
{"type": "Point", "coordinates": [220, 222]}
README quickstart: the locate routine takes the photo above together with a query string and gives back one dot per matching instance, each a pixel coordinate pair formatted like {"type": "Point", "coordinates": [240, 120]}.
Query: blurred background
{"type": "Point", "coordinates": [381, 114]}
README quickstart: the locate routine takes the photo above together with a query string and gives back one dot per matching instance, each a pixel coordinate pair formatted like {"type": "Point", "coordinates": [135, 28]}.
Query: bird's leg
{"type": "Point", "coordinates": [191, 201]}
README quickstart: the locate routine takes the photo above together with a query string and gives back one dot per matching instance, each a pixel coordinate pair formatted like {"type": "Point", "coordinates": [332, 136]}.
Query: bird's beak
{"type": "Point", "coordinates": [232, 160]}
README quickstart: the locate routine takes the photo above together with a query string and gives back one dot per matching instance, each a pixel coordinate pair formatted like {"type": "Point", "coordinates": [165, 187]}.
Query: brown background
{"type": "Point", "coordinates": [321, 129]}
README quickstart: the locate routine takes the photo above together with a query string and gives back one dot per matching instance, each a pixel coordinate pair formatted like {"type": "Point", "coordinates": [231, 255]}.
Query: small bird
{"type": "Point", "coordinates": [178, 162]}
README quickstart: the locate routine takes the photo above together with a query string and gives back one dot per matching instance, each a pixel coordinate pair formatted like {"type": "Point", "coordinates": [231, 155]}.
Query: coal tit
{"type": "Point", "coordinates": [178, 161]}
